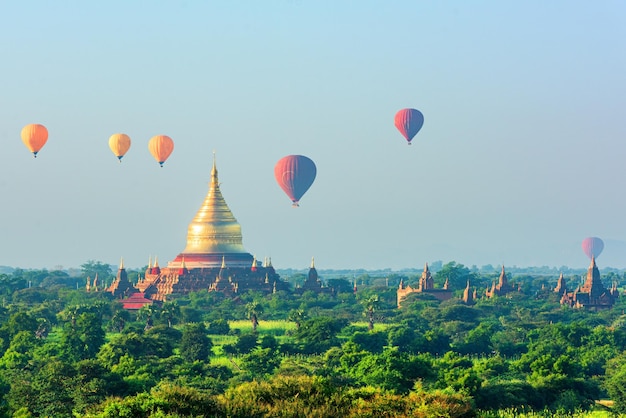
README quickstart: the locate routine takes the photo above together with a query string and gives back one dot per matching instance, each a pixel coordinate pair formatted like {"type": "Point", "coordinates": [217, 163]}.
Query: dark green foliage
{"type": "Point", "coordinates": [508, 394]}
{"type": "Point", "coordinates": [218, 327]}
{"type": "Point", "coordinates": [245, 344]}
{"type": "Point", "coordinates": [261, 361]}
{"type": "Point", "coordinates": [195, 344]}
{"type": "Point", "coordinates": [319, 334]}
{"type": "Point", "coordinates": [161, 340]}
{"type": "Point", "coordinates": [82, 336]}
{"type": "Point", "coordinates": [370, 341]}
{"type": "Point", "coordinates": [616, 383]}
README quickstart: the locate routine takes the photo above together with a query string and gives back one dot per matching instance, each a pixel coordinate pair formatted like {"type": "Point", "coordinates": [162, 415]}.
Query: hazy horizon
{"type": "Point", "coordinates": [519, 159]}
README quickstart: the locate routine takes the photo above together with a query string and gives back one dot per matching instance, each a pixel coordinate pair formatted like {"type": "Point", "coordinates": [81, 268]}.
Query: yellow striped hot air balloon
{"type": "Point", "coordinates": [34, 137]}
{"type": "Point", "coordinates": [119, 144]}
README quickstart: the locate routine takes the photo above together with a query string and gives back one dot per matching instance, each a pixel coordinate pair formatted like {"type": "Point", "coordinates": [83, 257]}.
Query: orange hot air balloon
{"type": "Point", "coordinates": [119, 144]}
{"type": "Point", "coordinates": [161, 146]}
{"type": "Point", "coordinates": [34, 137]}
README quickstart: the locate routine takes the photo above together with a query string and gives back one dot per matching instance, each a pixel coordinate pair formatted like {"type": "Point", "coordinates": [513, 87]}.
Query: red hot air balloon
{"type": "Point", "coordinates": [295, 174]}
{"type": "Point", "coordinates": [593, 246]}
{"type": "Point", "coordinates": [409, 122]}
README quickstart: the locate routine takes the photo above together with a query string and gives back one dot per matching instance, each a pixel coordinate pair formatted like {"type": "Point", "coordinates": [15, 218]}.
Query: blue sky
{"type": "Point", "coordinates": [521, 155]}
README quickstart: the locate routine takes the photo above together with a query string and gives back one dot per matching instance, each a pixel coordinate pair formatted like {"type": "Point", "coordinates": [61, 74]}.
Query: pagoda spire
{"type": "Point", "coordinates": [253, 267]}
{"type": "Point", "coordinates": [122, 263]}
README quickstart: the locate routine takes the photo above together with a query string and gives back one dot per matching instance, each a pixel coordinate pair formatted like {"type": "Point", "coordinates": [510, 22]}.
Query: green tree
{"type": "Point", "coordinates": [456, 274]}
{"type": "Point", "coordinates": [261, 361]}
{"type": "Point", "coordinates": [245, 343]}
{"type": "Point", "coordinates": [616, 384]}
{"type": "Point", "coordinates": [195, 344]}
{"type": "Point", "coordinates": [92, 268]}
{"type": "Point", "coordinates": [317, 335]}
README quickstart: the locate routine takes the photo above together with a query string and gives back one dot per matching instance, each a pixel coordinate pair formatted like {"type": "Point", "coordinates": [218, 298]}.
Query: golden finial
{"type": "Point", "coordinates": [214, 171]}
{"type": "Point", "coordinates": [312, 262]}
{"type": "Point", "coordinates": [223, 262]}
{"type": "Point", "coordinates": [122, 263]}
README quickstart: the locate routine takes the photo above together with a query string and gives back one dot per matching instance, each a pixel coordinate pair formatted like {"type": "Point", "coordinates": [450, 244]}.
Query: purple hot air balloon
{"type": "Point", "coordinates": [592, 246]}
{"type": "Point", "coordinates": [409, 122]}
{"type": "Point", "coordinates": [295, 174]}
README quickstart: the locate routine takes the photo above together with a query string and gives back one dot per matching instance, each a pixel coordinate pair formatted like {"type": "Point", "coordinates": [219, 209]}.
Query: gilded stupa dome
{"type": "Point", "coordinates": [214, 233]}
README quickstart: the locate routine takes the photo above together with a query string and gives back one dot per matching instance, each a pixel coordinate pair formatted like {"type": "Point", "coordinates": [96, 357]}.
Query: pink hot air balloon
{"type": "Point", "coordinates": [409, 122]}
{"type": "Point", "coordinates": [592, 246]}
{"type": "Point", "coordinates": [295, 174]}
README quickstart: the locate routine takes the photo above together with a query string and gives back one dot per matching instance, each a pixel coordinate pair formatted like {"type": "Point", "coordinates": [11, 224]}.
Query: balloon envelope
{"type": "Point", "coordinates": [34, 137]}
{"type": "Point", "coordinates": [161, 146]}
{"type": "Point", "coordinates": [593, 246]}
{"type": "Point", "coordinates": [409, 122]}
{"type": "Point", "coordinates": [119, 144]}
{"type": "Point", "coordinates": [295, 174]}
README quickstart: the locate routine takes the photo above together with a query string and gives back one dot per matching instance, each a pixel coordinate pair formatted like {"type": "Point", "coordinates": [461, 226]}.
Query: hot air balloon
{"type": "Point", "coordinates": [593, 246]}
{"type": "Point", "coordinates": [409, 122]}
{"type": "Point", "coordinates": [161, 146]}
{"type": "Point", "coordinates": [119, 144]}
{"type": "Point", "coordinates": [34, 137]}
{"type": "Point", "coordinates": [295, 174]}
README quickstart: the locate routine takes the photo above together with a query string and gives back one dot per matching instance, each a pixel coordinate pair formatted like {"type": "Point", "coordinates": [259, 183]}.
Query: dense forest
{"type": "Point", "coordinates": [68, 352]}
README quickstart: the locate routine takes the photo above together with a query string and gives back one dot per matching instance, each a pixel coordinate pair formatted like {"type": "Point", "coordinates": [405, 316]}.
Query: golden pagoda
{"type": "Point", "coordinates": [214, 258]}
{"type": "Point", "coordinates": [214, 234]}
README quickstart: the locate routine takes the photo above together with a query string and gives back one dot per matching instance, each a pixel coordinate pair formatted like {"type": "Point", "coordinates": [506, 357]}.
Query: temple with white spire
{"type": "Point", "coordinates": [214, 257]}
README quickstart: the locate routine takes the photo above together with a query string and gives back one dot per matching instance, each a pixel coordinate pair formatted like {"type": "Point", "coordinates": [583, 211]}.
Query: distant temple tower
{"type": "Point", "coordinates": [426, 285]}
{"type": "Point", "coordinates": [592, 294]}
{"type": "Point", "coordinates": [312, 282]}
{"type": "Point", "coordinates": [561, 287]}
{"type": "Point", "coordinates": [121, 286]}
{"type": "Point", "coordinates": [501, 288]}
{"type": "Point", "coordinates": [468, 295]}
{"type": "Point", "coordinates": [214, 257]}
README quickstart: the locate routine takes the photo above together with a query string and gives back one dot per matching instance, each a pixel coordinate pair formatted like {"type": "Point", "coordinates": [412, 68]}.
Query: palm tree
{"type": "Point", "coordinates": [119, 319]}
{"type": "Point", "coordinates": [253, 309]}
{"type": "Point", "coordinates": [298, 316]}
{"type": "Point", "coordinates": [147, 312]}
{"type": "Point", "coordinates": [170, 311]}
{"type": "Point", "coordinates": [371, 304]}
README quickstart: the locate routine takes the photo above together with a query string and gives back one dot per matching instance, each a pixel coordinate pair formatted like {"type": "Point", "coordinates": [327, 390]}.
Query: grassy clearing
{"type": "Point", "coordinates": [275, 328]}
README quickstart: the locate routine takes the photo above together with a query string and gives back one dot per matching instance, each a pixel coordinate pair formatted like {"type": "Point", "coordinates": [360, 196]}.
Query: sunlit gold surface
{"type": "Point", "coordinates": [214, 229]}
